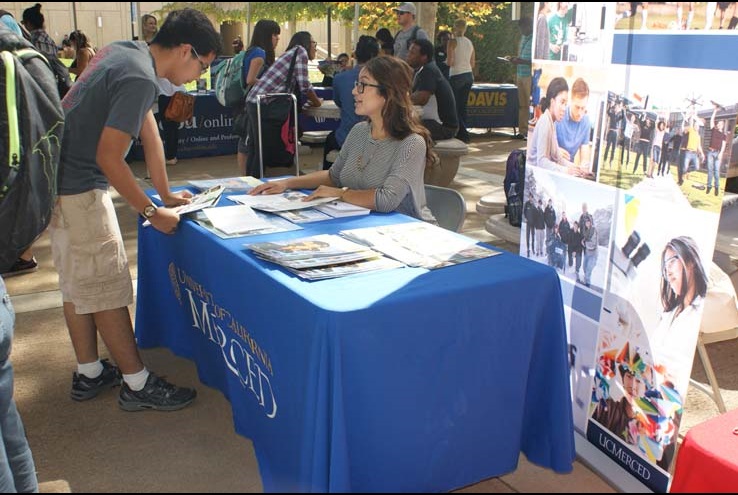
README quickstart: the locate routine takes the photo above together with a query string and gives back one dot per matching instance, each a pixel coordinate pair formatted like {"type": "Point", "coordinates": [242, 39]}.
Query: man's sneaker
{"type": "Point", "coordinates": [157, 394]}
{"type": "Point", "coordinates": [84, 388]}
{"type": "Point", "coordinates": [21, 266]}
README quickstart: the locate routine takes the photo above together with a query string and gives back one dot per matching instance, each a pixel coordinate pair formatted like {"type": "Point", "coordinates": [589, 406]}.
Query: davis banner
{"type": "Point", "coordinates": [625, 174]}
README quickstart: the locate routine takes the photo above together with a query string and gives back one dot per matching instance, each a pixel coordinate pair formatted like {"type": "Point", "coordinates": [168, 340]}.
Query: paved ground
{"type": "Point", "coordinates": [95, 447]}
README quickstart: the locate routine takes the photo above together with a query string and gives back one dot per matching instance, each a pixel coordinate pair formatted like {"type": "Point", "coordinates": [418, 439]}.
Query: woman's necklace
{"type": "Point", "coordinates": [367, 153]}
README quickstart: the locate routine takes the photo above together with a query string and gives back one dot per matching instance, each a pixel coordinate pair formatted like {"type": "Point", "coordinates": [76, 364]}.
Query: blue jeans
{"type": "Point", "coordinates": [713, 169]}
{"type": "Point", "coordinates": [17, 471]}
{"type": "Point", "coordinates": [461, 85]}
{"type": "Point", "coordinates": [691, 161]}
{"type": "Point", "coordinates": [590, 261]}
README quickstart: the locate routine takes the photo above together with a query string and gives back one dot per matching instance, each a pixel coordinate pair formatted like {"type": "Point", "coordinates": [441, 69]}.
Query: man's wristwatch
{"type": "Point", "coordinates": [149, 211]}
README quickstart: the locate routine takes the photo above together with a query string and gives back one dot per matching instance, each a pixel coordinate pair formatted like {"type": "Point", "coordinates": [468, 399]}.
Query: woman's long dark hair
{"type": "Point", "coordinates": [302, 38]}
{"type": "Point", "coordinates": [686, 249]}
{"type": "Point", "coordinates": [556, 86]}
{"type": "Point", "coordinates": [399, 117]}
{"type": "Point", "coordinates": [262, 38]}
{"type": "Point", "coordinates": [80, 39]}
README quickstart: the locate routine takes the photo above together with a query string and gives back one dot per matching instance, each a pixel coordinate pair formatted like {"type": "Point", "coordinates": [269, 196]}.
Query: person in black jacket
{"type": "Point", "coordinates": [574, 243]}
{"type": "Point", "coordinates": [540, 225]}
{"type": "Point", "coordinates": [529, 213]}
{"type": "Point", "coordinates": [549, 218]}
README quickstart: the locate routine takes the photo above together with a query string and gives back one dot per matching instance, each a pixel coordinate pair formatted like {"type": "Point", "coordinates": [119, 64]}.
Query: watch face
{"type": "Point", "coordinates": [149, 211]}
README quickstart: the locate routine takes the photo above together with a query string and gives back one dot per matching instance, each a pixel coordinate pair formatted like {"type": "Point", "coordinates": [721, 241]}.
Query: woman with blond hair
{"type": "Point", "coordinates": [461, 61]}
{"type": "Point", "coordinates": [382, 161]}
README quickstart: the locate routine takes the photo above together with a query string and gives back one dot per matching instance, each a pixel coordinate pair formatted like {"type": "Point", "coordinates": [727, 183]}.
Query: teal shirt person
{"type": "Point", "coordinates": [525, 53]}
{"type": "Point", "coordinates": [558, 31]}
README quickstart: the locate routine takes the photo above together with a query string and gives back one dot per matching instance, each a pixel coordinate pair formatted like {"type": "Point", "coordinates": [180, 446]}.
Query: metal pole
{"type": "Point", "coordinates": [329, 33]}
{"type": "Point", "coordinates": [74, 14]}
{"type": "Point", "coordinates": [355, 32]}
{"type": "Point", "coordinates": [248, 23]}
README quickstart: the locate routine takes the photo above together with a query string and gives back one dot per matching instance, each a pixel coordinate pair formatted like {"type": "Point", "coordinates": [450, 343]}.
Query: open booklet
{"type": "Point", "coordinates": [420, 244]}
{"type": "Point", "coordinates": [322, 256]}
{"type": "Point", "coordinates": [205, 199]}
{"type": "Point", "coordinates": [233, 184]}
{"type": "Point", "coordinates": [288, 200]}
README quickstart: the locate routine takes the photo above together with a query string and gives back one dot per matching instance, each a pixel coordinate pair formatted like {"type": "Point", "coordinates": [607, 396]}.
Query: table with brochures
{"type": "Point", "coordinates": [398, 380]}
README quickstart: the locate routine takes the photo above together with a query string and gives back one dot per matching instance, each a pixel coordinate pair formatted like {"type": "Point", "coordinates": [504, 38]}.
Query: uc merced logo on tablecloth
{"type": "Point", "coordinates": [175, 285]}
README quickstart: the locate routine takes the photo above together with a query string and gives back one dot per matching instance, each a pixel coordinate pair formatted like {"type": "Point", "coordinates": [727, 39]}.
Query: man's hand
{"type": "Point", "coordinates": [273, 187]}
{"type": "Point", "coordinates": [564, 155]}
{"type": "Point", "coordinates": [165, 220]}
{"type": "Point", "coordinates": [177, 199]}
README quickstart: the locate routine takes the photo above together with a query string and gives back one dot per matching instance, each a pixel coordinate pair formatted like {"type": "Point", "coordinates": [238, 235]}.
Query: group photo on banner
{"type": "Point", "coordinates": [628, 148]}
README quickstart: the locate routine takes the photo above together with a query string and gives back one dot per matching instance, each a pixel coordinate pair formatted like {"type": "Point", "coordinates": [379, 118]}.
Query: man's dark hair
{"type": "Point", "coordinates": [526, 25]}
{"type": "Point", "coordinates": [426, 48]}
{"type": "Point", "coordinates": [188, 26]}
{"type": "Point", "coordinates": [366, 49]}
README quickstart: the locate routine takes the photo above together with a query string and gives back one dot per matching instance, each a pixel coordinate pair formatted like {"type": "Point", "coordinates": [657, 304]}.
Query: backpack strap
{"type": "Point", "coordinates": [11, 103]}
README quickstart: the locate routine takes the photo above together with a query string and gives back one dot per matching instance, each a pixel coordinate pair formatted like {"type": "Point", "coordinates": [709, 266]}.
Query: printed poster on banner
{"type": "Point", "coordinates": [628, 150]}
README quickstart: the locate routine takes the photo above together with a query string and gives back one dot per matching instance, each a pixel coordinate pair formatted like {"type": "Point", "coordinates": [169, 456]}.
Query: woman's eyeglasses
{"type": "Point", "coordinates": [670, 263]}
{"type": "Point", "coordinates": [361, 86]}
{"type": "Point", "coordinates": [203, 66]}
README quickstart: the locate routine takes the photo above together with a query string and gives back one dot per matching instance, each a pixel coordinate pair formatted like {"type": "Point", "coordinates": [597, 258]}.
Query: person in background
{"type": "Point", "coordinates": [386, 41]}
{"type": "Point", "coordinates": [149, 28]}
{"type": "Point", "coordinates": [105, 109]}
{"type": "Point", "coordinates": [83, 52]}
{"type": "Point", "coordinates": [34, 21]}
{"type": "Point", "coordinates": [258, 58]}
{"type": "Point", "coordinates": [461, 60]}
{"type": "Point", "coordinates": [169, 128]}
{"type": "Point", "coordinates": [558, 28]}
{"type": "Point", "coordinates": [331, 68]}
{"type": "Point", "coordinates": [381, 164]}
{"type": "Point", "coordinates": [441, 55]}
{"type": "Point", "coordinates": [237, 45]}
{"type": "Point", "coordinates": [67, 50]}
{"type": "Point", "coordinates": [302, 49]}
{"type": "Point", "coordinates": [544, 151]}
{"type": "Point", "coordinates": [343, 87]}
{"type": "Point", "coordinates": [409, 30]}
{"type": "Point", "coordinates": [433, 92]}
{"type": "Point", "coordinates": [715, 151]}
{"type": "Point", "coordinates": [522, 66]}
{"type": "Point", "coordinates": [590, 242]}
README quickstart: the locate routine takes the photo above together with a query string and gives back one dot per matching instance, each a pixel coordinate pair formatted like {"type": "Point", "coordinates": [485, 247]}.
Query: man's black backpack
{"type": "Point", "coordinates": [514, 185]}
{"type": "Point", "coordinates": [31, 127]}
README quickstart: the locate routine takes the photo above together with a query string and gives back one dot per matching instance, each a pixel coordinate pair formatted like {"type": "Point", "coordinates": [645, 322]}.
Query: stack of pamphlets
{"type": "Point", "coordinates": [275, 224]}
{"type": "Point", "coordinates": [338, 209]}
{"type": "Point", "coordinates": [322, 256]}
{"type": "Point", "coordinates": [420, 244]}
{"type": "Point", "coordinates": [231, 184]}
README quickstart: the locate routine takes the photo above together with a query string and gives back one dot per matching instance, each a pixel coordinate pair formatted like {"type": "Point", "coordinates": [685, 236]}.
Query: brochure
{"type": "Point", "coordinates": [332, 271]}
{"type": "Point", "coordinates": [420, 244]}
{"type": "Point", "coordinates": [205, 199]}
{"type": "Point", "coordinates": [323, 245]}
{"type": "Point", "coordinates": [289, 200]}
{"type": "Point", "coordinates": [275, 223]}
{"type": "Point", "coordinates": [339, 209]}
{"type": "Point", "coordinates": [235, 219]}
{"type": "Point", "coordinates": [235, 184]}
{"type": "Point", "coordinates": [307, 215]}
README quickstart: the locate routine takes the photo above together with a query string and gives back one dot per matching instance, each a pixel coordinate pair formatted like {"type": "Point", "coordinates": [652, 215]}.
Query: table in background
{"type": "Point", "coordinates": [708, 457]}
{"type": "Point", "coordinates": [492, 105]}
{"type": "Point", "coordinates": [209, 132]}
{"type": "Point", "coordinates": [401, 380]}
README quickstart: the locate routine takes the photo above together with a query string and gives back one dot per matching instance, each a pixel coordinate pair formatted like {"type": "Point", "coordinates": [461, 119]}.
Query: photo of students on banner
{"type": "Point", "coordinates": [675, 16]}
{"type": "Point", "coordinates": [672, 142]}
{"type": "Point", "coordinates": [570, 32]}
{"type": "Point", "coordinates": [562, 135]}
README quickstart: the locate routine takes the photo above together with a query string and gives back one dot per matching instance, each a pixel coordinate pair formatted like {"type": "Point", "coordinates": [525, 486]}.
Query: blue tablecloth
{"type": "Point", "coordinates": [403, 380]}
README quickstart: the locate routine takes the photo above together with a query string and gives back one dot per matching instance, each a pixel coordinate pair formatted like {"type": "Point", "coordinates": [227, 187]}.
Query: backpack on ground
{"type": "Point", "coordinates": [230, 89]}
{"type": "Point", "coordinates": [514, 186]}
{"type": "Point", "coordinates": [31, 127]}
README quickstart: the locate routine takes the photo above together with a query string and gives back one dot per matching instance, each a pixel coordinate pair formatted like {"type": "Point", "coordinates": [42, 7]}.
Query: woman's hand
{"type": "Point", "coordinates": [325, 192]}
{"type": "Point", "coordinates": [273, 187]}
{"type": "Point", "coordinates": [176, 199]}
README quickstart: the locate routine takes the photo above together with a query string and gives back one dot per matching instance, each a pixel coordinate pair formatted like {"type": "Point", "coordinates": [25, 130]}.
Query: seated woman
{"type": "Point", "coordinates": [381, 164]}
{"type": "Point", "coordinates": [83, 52]}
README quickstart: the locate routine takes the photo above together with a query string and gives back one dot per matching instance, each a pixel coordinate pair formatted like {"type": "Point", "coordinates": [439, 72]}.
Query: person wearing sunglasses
{"type": "Point", "coordinates": [382, 162]}
{"type": "Point", "coordinates": [109, 105]}
{"type": "Point", "coordinates": [409, 30]}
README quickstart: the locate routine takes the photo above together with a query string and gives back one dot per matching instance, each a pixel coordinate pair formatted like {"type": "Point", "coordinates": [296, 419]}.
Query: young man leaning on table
{"type": "Point", "coordinates": [381, 164]}
{"type": "Point", "coordinates": [108, 105]}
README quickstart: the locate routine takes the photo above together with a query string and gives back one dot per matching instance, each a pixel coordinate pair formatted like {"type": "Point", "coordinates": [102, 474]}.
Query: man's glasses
{"type": "Point", "coordinates": [361, 86]}
{"type": "Point", "coordinates": [203, 66]}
